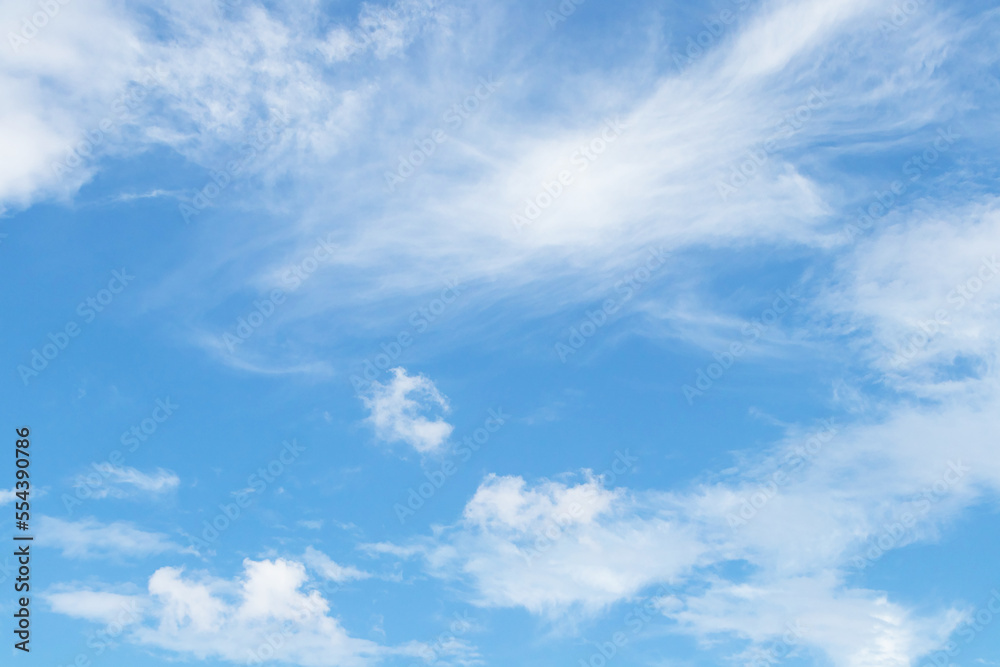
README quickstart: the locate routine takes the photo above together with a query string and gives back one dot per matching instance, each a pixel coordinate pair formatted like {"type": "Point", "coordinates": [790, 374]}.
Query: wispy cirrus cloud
{"type": "Point", "coordinates": [95, 605]}
{"type": "Point", "coordinates": [125, 481]}
{"type": "Point", "coordinates": [788, 102]}
{"type": "Point", "coordinates": [326, 567]}
{"type": "Point", "coordinates": [89, 538]}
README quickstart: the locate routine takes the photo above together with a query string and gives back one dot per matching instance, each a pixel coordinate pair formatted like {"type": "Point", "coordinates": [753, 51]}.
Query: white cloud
{"type": "Point", "coordinates": [97, 606]}
{"type": "Point", "coordinates": [90, 67]}
{"type": "Point", "coordinates": [385, 30]}
{"type": "Point", "coordinates": [923, 292]}
{"type": "Point", "coordinates": [328, 569]}
{"type": "Point", "coordinates": [124, 481]}
{"type": "Point", "coordinates": [55, 93]}
{"type": "Point", "coordinates": [89, 538]}
{"type": "Point", "coordinates": [843, 497]}
{"type": "Point", "coordinates": [267, 613]}
{"type": "Point", "coordinates": [557, 547]}
{"type": "Point", "coordinates": [7, 496]}
{"type": "Point", "coordinates": [395, 411]}
{"type": "Point", "coordinates": [655, 185]}
{"type": "Point", "coordinates": [853, 627]}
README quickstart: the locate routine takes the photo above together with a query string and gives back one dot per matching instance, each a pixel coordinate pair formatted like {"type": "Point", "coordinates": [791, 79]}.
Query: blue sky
{"type": "Point", "coordinates": [431, 333]}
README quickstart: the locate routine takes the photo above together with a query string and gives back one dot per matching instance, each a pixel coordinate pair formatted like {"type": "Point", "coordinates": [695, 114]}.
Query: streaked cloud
{"type": "Point", "coordinates": [123, 481]}
{"type": "Point", "coordinates": [90, 538]}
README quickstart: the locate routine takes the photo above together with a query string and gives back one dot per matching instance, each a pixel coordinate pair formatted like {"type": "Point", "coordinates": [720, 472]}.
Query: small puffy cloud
{"type": "Point", "coordinates": [6, 496]}
{"type": "Point", "coordinates": [89, 538]}
{"type": "Point", "coordinates": [328, 569]}
{"type": "Point", "coordinates": [396, 410]}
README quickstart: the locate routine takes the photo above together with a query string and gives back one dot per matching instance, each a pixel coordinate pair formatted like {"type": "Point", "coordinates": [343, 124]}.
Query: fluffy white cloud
{"type": "Point", "coordinates": [265, 614]}
{"type": "Point", "coordinates": [396, 411]}
{"type": "Point", "coordinates": [557, 547]}
{"type": "Point", "coordinates": [56, 95]}
{"type": "Point", "coordinates": [801, 518]}
{"type": "Point", "coordinates": [90, 538]}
